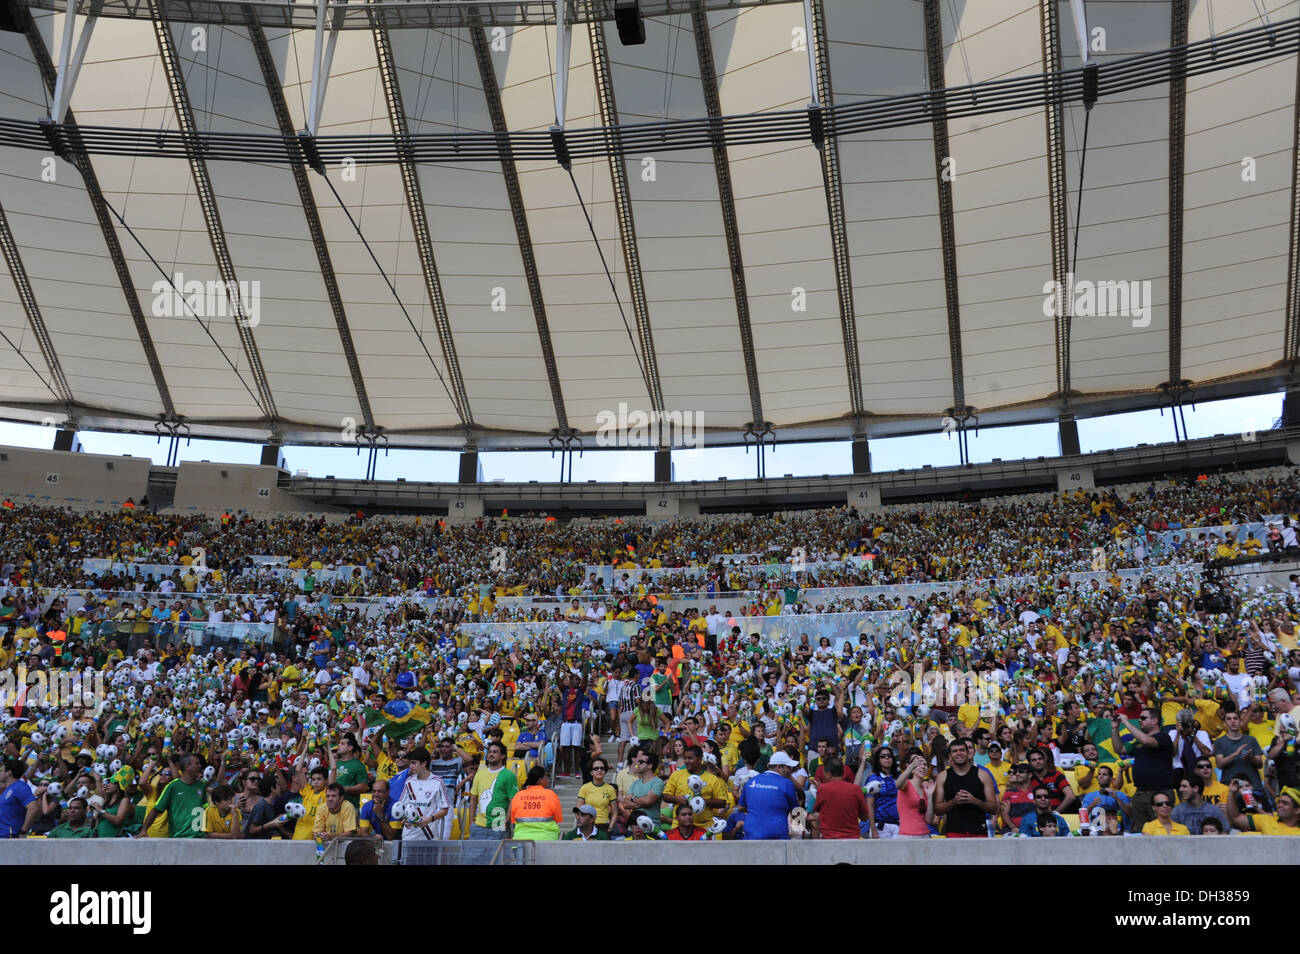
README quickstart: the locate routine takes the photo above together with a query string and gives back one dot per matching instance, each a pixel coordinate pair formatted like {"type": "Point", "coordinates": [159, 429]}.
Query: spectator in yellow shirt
{"type": "Point", "coordinates": [221, 819]}
{"type": "Point", "coordinates": [1285, 822]}
{"type": "Point", "coordinates": [1163, 824]}
{"type": "Point", "coordinates": [337, 819]}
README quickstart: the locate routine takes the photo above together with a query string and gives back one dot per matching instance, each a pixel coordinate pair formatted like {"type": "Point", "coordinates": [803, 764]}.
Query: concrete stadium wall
{"type": "Point", "coordinates": [1227, 850]}
{"type": "Point", "coordinates": [154, 851]}
{"type": "Point", "coordinates": [62, 478]}
{"type": "Point", "coordinates": [218, 487]}
{"type": "Point", "coordinates": [1234, 849]}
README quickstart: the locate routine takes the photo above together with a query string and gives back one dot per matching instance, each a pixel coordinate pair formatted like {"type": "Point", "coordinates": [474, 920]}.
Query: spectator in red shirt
{"type": "Point", "coordinates": [685, 830]}
{"type": "Point", "coordinates": [840, 807]}
{"type": "Point", "coordinates": [828, 752]}
{"type": "Point", "coordinates": [1017, 801]}
{"type": "Point", "coordinates": [1044, 773]}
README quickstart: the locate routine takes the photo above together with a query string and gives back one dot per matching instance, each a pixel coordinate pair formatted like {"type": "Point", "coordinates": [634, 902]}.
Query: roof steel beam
{"type": "Point", "coordinates": [420, 226]}
{"type": "Point", "coordinates": [70, 60]}
{"type": "Point", "coordinates": [1177, 141]}
{"type": "Point", "coordinates": [1057, 184]}
{"type": "Point", "coordinates": [17, 271]}
{"type": "Point", "coordinates": [391, 14]}
{"type": "Point", "coordinates": [208, 204]}
{"type": "Point", "coordinates": [727, 202]}
{"type": "Point", "coordinates": [947, 232]}
{"type": "Point", "coordinates": [623, 207]}
{"type": "Point", "coordinates": [80, 160]}
{"type": "Point", "coordinates": [275, 90]}
{"type": "Point", "coordinates": [492, 93]}
{"type": "Point", "coordinates": [829, 148]}
{"type": "Point", "coordinates": [1291, 340]}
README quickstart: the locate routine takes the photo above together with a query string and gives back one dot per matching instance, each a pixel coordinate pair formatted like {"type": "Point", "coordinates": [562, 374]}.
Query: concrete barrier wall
{"type": "Point", "coordinates": [1228, 850]}
{"type": "Point", "coordinates": [61, 478]}
{"type": "Point", "coordinates": [153, 852]}
{"type": "Point", "coordinates": [234, 487]}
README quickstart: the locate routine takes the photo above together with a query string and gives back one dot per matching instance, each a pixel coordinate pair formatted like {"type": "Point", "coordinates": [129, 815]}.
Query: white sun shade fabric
{"type": "Point", "coordinates": [464, 315]}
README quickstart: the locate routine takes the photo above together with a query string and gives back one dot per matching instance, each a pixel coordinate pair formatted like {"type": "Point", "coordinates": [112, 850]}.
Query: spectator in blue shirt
{"type": "Point", "coordinates": [531, 742]}
{"type": "Point", "coordinates": [768, 799]}
{"type": "Point", "coordinates": [16, 797]}
{"type": "Point", "coordinates": [378, 812]}
{"type": "Point", "coordinates": [1032, 823]}
{"type": "Point", "coordinates": [320, 651]}
{"type": "Point", "coordinates": [1107, 798]}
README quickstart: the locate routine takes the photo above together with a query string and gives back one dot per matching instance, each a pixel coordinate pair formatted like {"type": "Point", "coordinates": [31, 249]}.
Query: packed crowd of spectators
{"type": "Point", "coordinates": [1146, 704]}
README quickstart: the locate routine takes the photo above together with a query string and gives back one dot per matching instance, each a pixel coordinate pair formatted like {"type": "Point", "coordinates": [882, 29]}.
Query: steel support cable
{"type": "Point", "coordinates": [181, 297]}
{"type": "Point", "coordinates": [613, 286]}
{"type": "Point", "coordinates": [397, 298]}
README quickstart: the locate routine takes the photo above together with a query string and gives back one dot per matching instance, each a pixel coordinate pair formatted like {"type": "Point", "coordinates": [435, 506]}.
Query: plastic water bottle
{"type": "Point", "coordinates": [320, 851]}
{"type": "Point", "coordinates": [992, 827]}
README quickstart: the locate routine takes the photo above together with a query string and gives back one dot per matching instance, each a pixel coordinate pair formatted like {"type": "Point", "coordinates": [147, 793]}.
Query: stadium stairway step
{"type": "Point", "coordinates": [567, 790]}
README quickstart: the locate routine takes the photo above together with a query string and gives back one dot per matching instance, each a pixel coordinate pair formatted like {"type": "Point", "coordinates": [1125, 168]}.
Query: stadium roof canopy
{"type": "Point", "coordinates": [867, 265]}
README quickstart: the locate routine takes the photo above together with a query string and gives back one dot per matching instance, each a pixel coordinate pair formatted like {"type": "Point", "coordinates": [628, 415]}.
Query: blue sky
{"type": "Point", "coordinates": [1010, 443]}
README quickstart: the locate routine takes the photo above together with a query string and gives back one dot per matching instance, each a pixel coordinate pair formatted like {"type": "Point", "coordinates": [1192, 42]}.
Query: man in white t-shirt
{"type": "Point", "coordinates": [713, 619]}
{"type": "Point", "coordinates": [424, 790]}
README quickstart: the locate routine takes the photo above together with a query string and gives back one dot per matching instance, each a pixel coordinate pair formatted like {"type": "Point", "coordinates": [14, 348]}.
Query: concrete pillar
{"type": "Point", "coordinates": [471, 471]}
{"type": "Point", "coordinates": [271, 456]}
{"type": "Point", "coordinates": [658, 506]}
{"type": "Point", "coordinates": [1074, 478]}
{"type": "Point", "coordinates": [861, 456]}
{"type": "Point", "coordinates": [464, 509]}
{"type": "Point", "coordinates": [1069, 435]}
{"type": "Point", "coordinates": [864, 497]}
{"type": "Point", "coordinates": [663, 466]}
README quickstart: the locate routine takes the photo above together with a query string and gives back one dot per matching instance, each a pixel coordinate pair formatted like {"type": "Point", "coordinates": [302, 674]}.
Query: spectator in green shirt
{"type": "Point", "coordinates": [350, 771]}
{"type": "Point", "coordinates": [182, 800]}
{"type": "Point", "coordinates": [586, 830]}
{"type": "Point", "coordinates": [75, 824]}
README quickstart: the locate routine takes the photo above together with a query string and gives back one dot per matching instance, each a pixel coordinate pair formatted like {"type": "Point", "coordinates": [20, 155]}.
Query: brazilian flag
{"type": "Point", "coordinates": [398, 719]}
{"type": "Point", "coordinates": [1099, 732]}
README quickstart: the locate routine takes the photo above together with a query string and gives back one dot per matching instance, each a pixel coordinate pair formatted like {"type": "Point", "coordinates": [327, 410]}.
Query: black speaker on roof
{"type": "Point", "coordinates": [631, 26]}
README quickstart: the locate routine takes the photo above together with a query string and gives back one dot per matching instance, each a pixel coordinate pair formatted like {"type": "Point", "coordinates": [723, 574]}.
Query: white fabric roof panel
{"type": "Point", "coordinates": [266, 232]}
{"type": "Point", "coordinates": [781, 212]}
{"type": "Point", "coordinates": [1125, 226]}
{"type": "Point", "coordinates": [1236, 234]}
{"type": "Point", "coordinates": [1235, 251]}
{"type": "Point", "coordinates": [403, 387]}
{"type": "Point", "coordinates": [67, 263]}
{"type": "Point", "coordinates": [475, 243]}
{"type": "Point", "coordinates": [157, 198]}
{"type": "Point", "coordinates": [1001, 215]}
{"type": "Point", "coordinates": [592, 350]}
{"type": "Point", "coordinates": [680, 231]}
{"type": "Point", "coordinates": [891, 213]}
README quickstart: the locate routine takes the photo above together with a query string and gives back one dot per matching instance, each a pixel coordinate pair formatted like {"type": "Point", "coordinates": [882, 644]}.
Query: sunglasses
{"type": "Point", "coordinates": [1161, 804]}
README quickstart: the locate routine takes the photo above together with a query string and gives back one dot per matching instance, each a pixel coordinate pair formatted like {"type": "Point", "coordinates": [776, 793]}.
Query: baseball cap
{"type": "Point", "coordinates": [780, 758]}
{"type": "Point", "coordinates": [587, 810]}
